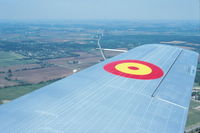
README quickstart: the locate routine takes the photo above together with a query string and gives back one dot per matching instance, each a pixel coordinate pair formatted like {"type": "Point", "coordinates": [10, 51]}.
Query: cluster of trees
{"type": "Point", "coordinates": [197, 79]}
{"type": "Point", "coordinates": [44, 51]}
{"type": "Point", "coordinates": [130, 41]}
{"type": "Point", "coordinates": [197, 130]}
{"type": "Point", "coordinates": [8, 75]}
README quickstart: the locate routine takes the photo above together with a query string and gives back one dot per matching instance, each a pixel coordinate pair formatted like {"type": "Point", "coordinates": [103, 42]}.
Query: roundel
{"type": "Point", "coordinates": [134, 69]}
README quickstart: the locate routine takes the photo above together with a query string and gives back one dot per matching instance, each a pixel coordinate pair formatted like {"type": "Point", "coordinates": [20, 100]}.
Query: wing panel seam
{"type": "Point", "coordinates": [153, 94]}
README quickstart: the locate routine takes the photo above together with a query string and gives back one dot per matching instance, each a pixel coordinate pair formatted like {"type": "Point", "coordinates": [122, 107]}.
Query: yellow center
{"type": "Point", "coordinates": [142, 69]}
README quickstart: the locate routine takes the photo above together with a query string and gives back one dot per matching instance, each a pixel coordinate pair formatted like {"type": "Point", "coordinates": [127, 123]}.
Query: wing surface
{"type": "Point", "coordinates": [96, 101]}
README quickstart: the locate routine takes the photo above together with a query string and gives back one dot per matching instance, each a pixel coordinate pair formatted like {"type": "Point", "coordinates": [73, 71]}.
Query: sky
{"type": "Point", "coordinates": [99, 9]}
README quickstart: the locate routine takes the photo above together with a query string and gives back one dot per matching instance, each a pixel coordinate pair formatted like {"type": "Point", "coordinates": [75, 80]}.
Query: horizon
{"type": "Point", "coordinates": [99, 20]}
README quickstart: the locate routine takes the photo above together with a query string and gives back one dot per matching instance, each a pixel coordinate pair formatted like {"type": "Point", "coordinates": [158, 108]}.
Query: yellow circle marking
{"type": "Point", "coordinates": [142, 69]}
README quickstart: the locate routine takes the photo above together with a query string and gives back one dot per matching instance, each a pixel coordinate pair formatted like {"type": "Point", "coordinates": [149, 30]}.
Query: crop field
{"type": "Point", "coordinates": [41, 75]}
{"type": "Point", "coordinates": [4, 82]}
{"type": "Point", "coordinates": [193, 115]}
{"type": "Point", "coordinates": [11, 58]}
{"type": "Point", "coordinates": [10, 93]}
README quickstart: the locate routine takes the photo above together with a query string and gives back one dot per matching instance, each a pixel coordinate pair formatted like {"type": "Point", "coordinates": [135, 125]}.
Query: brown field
{"type": "Point", "coordinates": [41, 75]}
{"type": "Point", "coordinates": [82, 62]}
{"type": "Point", "coordinates": [19, 67]}
{"type": "Point", "coordinates": [34, 73]}
{"type": "Point", "coordinates": [85, 59]}
{"type": "Point", "coordinates": [4, 82]}
{"type": "Point", "coordinates": [62, 67]}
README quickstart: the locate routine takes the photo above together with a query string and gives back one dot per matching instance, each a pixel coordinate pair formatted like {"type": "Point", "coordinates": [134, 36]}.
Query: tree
{"type": "Point", "coordinates": [9, 72]}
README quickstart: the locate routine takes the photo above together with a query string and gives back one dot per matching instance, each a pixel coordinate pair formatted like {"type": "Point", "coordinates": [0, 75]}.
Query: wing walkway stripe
{"type": "Point", "coordinates": [171, 103]}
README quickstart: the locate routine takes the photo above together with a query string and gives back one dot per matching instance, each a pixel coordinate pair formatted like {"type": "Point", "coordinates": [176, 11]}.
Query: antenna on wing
{"type": "Point", "coordinates": [106, 49]}
{"type": "Point", "coordinates": [113, 50]}
{"type": "Point", "coordinates": [99, 45]}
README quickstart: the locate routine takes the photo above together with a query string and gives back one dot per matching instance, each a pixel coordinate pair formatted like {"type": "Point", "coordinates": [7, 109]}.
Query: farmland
{"type": "Point", "coordinates": [193, 116]}
{"type": "Point", "coordinates": [33, 55]}
{"type": "Point", "coordinates": [12, 58]}
{"type": "Point", "coordinates": [10, 93]}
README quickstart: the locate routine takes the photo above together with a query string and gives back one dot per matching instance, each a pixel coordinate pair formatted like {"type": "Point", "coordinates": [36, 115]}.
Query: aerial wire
{"type": "Point", "coordinates": [100, 48]}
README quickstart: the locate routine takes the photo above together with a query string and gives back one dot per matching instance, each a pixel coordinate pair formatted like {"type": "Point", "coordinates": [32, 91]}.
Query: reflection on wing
{"type": "Point", "coordinates": [98, 101]}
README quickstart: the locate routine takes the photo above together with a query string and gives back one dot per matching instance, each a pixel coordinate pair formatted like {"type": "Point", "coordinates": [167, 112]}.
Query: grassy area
{"type": "Point", "coordinates": [11, 58]}
{"type": "Point", "coordinates": [194, 115]}
{"type": "Point", "coordinates": [10, 93]}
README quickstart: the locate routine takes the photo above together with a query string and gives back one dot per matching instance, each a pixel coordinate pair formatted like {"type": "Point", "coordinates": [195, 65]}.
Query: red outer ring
{"type": "Point", "coordinates": [156, 71]}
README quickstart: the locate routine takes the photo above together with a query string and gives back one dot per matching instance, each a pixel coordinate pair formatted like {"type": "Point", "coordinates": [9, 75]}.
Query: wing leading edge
{"type": "Point", "coordinates": [98, 101]}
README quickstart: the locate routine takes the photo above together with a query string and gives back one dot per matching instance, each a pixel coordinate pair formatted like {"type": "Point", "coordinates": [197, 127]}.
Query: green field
{"type": "Point", "coordinates": [194, 115]}
{"type": "Point", "coordinates": [11, 58]}
{"type": "Point", "coordinates": [11, 93]}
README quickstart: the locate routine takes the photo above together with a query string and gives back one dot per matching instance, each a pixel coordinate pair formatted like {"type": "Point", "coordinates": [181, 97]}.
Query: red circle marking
{"type": "Point", "coordinates": [156, 71]}
{"type": "Point", "coordinates": [133, 68]}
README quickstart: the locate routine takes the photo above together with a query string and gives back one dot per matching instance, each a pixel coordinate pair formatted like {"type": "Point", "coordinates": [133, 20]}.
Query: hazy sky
{"type": "Point", "coordinates": [99, 9]}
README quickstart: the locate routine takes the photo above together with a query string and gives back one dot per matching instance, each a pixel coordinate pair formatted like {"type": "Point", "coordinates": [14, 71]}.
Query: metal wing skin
{"type": "Point", "coordinates": [97, 101]}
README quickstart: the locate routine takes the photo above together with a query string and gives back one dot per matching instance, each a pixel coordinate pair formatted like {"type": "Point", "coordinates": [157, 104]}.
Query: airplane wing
{"type": "Point", "coordinates": [146, 90]}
